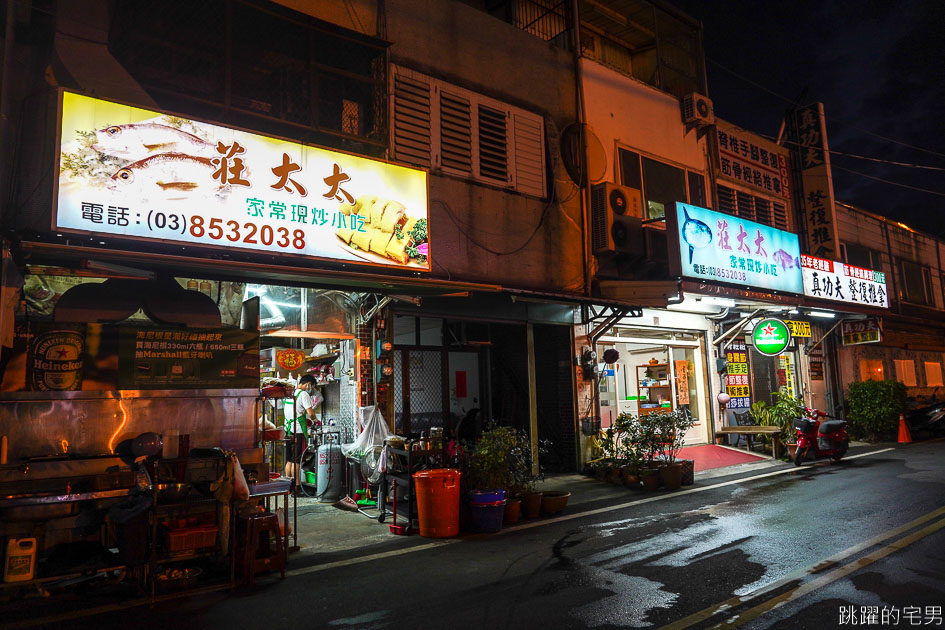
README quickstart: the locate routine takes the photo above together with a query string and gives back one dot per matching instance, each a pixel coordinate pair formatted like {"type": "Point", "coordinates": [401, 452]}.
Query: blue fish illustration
{"type": "Point", "coordinates": [696, 234]}
{"type": "Point", "coordinates": [785, 260]}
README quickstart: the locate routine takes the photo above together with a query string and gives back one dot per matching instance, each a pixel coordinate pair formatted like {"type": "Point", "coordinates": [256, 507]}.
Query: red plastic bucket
{"type": "Point", "coordinates": [438, 502]}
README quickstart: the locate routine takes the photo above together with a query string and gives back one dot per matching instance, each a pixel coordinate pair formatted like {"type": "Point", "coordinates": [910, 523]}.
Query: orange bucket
{"type": "Point", "coordinates": [438, 502]}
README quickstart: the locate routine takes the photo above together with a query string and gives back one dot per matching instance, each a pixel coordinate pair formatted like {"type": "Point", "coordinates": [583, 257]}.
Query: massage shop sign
{"type": "Point", "coordinates": [737, 381]}
{"type": "Point", "coordinates": [723, 248]}
{"type": "Point", "coordinates": [142, 174]}
{"type": "Point", "coordinates": [834, 280]}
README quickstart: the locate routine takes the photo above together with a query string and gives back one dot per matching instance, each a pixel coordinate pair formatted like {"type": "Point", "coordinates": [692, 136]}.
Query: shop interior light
{"type": "Point", "coordinates": [821, 314]}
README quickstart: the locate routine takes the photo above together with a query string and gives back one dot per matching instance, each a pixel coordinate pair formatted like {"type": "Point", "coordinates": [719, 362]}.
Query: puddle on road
{"type": "Point", "coordinates": [716, 533]}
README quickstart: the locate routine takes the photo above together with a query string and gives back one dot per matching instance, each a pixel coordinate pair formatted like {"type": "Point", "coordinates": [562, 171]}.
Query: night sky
{"type": "Point", "coordinates": [878, 68]}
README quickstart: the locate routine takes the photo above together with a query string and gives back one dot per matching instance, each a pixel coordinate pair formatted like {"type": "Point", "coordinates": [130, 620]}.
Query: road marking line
{"type": "Point", "coordinates": [821, 566]}
{"type": "Point", "coordinates": [372, 557]}
{"type": "Point", "coordinates": [827, 578]}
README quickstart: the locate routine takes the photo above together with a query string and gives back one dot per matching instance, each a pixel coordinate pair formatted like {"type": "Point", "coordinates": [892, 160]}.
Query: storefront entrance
{"type": "Point", "coordinates": [658, 371]}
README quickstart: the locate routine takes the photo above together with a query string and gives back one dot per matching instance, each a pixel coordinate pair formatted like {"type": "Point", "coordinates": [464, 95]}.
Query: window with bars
{"type": "Point", "coordinates": [444, 127]}
{"type": "Point", "coordinates": [753, 208]}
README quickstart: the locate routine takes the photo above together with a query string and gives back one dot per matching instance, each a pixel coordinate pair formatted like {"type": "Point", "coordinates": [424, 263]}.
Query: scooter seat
{"type": "Point", "coordinates": [831, 426]}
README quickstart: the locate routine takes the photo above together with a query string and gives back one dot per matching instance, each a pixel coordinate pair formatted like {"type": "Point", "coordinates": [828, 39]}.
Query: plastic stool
{"type": "Point", "coordinates": [258, 554]}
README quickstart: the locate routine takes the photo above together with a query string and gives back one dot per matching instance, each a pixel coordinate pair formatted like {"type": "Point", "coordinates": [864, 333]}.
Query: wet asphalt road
{"type": "Point", "coordinates": [663, 562]}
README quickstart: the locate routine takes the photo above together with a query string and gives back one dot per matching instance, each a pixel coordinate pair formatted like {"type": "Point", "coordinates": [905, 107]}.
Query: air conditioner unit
{"type": "Point", "coordinates": [616, 219]}
{"type": "Point", "coordinates": [697, 109]}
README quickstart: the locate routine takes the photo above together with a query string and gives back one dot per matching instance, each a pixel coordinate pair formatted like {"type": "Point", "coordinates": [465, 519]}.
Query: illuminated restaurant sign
{"type": "Point", "coordinates": [720, 247]}
{"type": "Point", "coordinates": [136, 173]}
{"type": "Point", "coordinates": [833, 280]}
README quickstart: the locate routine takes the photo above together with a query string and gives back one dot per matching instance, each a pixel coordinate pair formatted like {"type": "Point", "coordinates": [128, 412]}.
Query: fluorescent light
{"type": "Point", "coordinates": [719, 301]}
{"type": "Point", "coordinates": [821, 314]}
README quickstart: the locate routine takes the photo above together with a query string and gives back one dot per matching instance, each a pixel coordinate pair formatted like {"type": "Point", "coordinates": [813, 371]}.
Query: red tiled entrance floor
{"type": "Point", "coordinates": [713, 456]}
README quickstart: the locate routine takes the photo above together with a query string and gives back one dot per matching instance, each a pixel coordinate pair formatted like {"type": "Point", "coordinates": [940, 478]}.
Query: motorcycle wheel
{"type": "Point", "coordinates": [799, 454]}
{"type": "Point", "coordinates": [843, 451]}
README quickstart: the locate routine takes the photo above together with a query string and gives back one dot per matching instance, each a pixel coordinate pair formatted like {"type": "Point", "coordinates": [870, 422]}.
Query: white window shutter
{"type": "Point", "coordinates": [529, 159]}
{"type": "Point", "coordinates": [413, 98]}
{"type": "Point", "coordinates": [456, 142]}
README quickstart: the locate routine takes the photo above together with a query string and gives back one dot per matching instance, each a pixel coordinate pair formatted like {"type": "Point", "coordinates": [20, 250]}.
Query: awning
{"type": "Point", "coordinates": [652, 294]}
{"type": "Point", "coordinates": [245, 271]}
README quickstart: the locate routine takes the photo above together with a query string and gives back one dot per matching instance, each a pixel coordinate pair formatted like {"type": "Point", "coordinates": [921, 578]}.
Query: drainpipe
{"type": "Point", "coordinates": [5, 84]}
{"type": "Point", "coordinates": [582, 123]}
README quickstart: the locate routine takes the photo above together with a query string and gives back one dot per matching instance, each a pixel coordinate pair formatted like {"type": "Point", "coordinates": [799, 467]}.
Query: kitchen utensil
{"type": "Point", "coordinates": [399, 530]}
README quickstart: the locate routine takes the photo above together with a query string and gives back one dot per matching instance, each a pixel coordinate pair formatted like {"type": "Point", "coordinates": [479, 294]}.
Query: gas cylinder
{"type": "Point", "coordinates": [330, 473]}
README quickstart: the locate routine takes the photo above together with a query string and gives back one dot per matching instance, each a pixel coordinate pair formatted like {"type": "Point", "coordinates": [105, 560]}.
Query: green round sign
{"type": "Point", "coordinates": [771, 336]}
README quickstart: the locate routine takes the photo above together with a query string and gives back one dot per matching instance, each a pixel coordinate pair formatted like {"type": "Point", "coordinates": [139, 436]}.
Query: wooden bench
{"type": "Point", "coordinates": [773, 432]}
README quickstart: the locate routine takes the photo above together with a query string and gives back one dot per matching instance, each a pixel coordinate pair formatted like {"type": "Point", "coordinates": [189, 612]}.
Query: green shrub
{"type": "Point", "coordinates": [874, 408]}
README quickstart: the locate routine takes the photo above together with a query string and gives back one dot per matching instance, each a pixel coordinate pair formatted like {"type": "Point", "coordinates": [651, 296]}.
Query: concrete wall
{"type": "Point", "coordinates": [624, 111]}
{"type": "Point", "coordinates": [483, 233]}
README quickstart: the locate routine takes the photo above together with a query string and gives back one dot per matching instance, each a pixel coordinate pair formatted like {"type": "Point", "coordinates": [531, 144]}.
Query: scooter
{"type": "Point", "coordinates": [827, 439]}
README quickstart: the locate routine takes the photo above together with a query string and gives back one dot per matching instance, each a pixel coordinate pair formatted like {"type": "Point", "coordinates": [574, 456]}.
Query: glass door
{"type": "Point", "coordinates": [688, 389]}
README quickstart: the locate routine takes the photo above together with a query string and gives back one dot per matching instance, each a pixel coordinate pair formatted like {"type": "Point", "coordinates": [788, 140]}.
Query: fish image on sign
{"type": "Point", "coordinates": [164, 171]}
{"type": "Point", "coordinates": [785, 260]}
{"type": "Point", "coordinates": [696, 234]}
{"type": "Point", "coordinates": [134, 141]}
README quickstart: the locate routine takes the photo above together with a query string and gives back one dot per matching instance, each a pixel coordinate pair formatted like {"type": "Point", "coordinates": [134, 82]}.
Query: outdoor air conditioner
{"type": "Point", "coordinates": [697, 109]}
{"type": "Point", "coordinates": [616, 219]}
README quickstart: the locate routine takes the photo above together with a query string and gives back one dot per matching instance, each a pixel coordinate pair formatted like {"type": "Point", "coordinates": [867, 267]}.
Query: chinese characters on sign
{"type": "Point", "coordinates": [748, 161]}
{"type": "Point", "coordinates": [156, 358]}
{"type": "Point", "coordinates": [736, 375]}
{"type": "Point", "coordinates": [832, 280]}
{"type": "Point", "coordinates": [809, 138]}
{"type": "Point", "coordinates": [861, 331]}
{"type": "Point", "coordinates": [166, 178]}
{"type": "Point", "coordinates": [798, 329]}
{"type": "Point", "coordinates": [725, 248]}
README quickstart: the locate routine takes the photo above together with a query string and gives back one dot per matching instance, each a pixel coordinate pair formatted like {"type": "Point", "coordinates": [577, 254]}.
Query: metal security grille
{"type": "Point", "coordinates": [425, 370]}
{"type": "Point", "coordinates": [418, 390]}
{"type": "Point", "coordinates": [257, 65]}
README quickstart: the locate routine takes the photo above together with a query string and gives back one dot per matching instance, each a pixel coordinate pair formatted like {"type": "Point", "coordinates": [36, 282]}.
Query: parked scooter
{"type": "Point", "coordinates": [826, 438]}
{"type": "Point", "coordinates": [929, 418]}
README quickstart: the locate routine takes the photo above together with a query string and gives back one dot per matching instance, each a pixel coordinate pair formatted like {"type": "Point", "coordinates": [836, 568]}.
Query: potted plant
{"type": "Point", "coordinates": [782, 413]}
{"type": "Point", "coordinates": [629, 450]}
{"type": "Point", "coordinates": [524, 477]}
{"type": "Point", "coordinates": [648, 441]}
{"type": "Point", "coordinates": [673, 427]}
{"type": "Point", "coordinates": [489, 464]}
{"type": "Point", "coordinates": [522, 497]}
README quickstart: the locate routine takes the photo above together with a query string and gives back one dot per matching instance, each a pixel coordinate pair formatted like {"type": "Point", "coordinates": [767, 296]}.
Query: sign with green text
{"type": "Point", "coordinates": [771, 336]}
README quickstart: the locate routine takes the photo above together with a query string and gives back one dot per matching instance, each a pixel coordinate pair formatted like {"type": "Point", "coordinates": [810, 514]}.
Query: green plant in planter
{"type": "Point", "coordinates": [782, 413]}
{"type": "Point", "coordinates": [521, 478]}
{"type": "Point", "coordinates": [874, 407]}
{"type": "Point", "coordinates": [672, 429]}
{"type": "Point", "coordinates": [629, 448]}
{"type": "Point", "coordinates": [649, 439]}
{"type": "Point", "coordinates": [489, 458]}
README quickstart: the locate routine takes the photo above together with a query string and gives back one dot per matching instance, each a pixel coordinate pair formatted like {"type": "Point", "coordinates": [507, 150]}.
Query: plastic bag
{"type": "Point", "coordinates": [240, 487]}
{"type": "Point", "coordinates": [372, 436]}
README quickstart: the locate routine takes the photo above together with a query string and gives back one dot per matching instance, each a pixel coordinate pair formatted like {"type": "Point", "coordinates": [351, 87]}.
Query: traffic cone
{"type": "Point", "coordinates": [904, 436]}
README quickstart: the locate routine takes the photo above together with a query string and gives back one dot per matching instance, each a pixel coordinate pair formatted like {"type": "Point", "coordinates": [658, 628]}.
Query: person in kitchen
{"type": "Point", "coordinates": [299, 416]}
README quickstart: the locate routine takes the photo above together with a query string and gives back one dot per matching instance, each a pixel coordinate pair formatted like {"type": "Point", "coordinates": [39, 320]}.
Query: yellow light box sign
{"type": "Point", "coordinates": [798, 329]}
{"type": "Point", "coordinates": [136, 173]}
